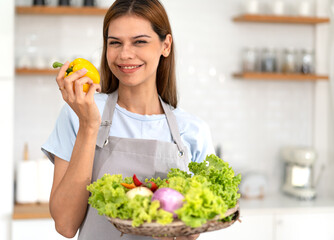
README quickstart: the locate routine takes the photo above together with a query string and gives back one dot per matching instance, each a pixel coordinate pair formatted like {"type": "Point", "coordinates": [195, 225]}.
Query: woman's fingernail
{"type": "Point", "coordinates": [83, 70]}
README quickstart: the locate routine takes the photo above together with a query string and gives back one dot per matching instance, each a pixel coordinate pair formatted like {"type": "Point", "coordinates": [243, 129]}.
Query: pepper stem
{"type": "Point", "coordinates": [58, 64]}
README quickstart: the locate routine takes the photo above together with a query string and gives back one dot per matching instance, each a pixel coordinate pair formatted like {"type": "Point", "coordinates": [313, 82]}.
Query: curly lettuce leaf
{"type": "Point", "coordinates": [175, 172]}
{"type": "Point", "coordinates": [201, 204]}
{"type": "Point", "coordinates": [108, 196]}
{"type": "Point", "coordinates": [224, 182]}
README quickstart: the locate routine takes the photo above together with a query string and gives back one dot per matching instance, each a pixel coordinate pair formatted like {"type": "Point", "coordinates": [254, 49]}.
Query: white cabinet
{"type": "Point", "coordinates": [35, 229]}
{"type": "Point", "coordinates": [304, 226]}
{"type": "Point", "coordinates": [259, 227]}
{"type": "Point", "coordinates": [278, 226]}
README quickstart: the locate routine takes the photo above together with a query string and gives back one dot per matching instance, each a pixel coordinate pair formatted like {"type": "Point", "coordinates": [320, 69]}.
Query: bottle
{"type": "Point", "coordinates": [307, 61]}
{"type": "Point", "coordinates": [64, 3]}
{"type": "Point", "coordinates": [252, 6]}
{"type": "Point", "coordinates": [250, 60]}
{"type": "Point", "coordinates": [306, 8]}
{"type": "Point", "coordinates": [278, 7]}
{"type": "Point", "coordinates": [39, 2]}
{"type": "Point", "coordinates": [268, 60]}
{"type": "Point", "coordinates": [289, 61]}
{"type": "Point", "coordinates": [89, 3]}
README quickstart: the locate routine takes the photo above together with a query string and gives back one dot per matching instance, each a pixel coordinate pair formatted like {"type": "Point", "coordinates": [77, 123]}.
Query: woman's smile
{"type": "Point", "coordinates": [129, 68]}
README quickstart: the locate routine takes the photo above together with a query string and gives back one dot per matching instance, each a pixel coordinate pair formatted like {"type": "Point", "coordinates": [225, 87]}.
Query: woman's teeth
{"type": "Point", "coordinates": [131, 67]}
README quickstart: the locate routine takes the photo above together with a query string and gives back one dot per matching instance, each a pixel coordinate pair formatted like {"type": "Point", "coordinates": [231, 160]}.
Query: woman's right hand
{"type": "Point", "coordinates": [82, 103]}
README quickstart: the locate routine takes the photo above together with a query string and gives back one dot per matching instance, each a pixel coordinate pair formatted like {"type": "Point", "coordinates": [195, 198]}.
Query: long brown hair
{"type": "Point", "coordinates": [153, 11]}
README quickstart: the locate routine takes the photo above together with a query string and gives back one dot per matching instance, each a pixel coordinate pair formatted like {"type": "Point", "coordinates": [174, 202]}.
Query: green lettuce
{"type": "Point", "coordinates": [209, 191]}
{"type": "Point", "coordinates": [108, 196]}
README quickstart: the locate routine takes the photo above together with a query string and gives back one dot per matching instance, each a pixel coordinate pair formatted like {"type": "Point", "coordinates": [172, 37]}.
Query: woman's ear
{"type": "Point", "coordinates": [167, 45]}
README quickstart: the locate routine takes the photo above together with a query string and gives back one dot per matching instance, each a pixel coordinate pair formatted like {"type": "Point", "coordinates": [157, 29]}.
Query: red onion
{"type": "Point", "coordinates": [170, 199]}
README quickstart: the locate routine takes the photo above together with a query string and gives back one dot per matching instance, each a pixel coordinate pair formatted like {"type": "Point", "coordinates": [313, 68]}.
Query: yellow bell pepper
{"type": "Point", "coordinates": [78, 64]}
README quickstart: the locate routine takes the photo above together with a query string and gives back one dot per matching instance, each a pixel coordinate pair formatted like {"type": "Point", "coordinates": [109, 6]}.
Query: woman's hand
{"type": "Point", "coordinates": [190, 237]}
{"type": "Point", "coordinates": [82, 103]}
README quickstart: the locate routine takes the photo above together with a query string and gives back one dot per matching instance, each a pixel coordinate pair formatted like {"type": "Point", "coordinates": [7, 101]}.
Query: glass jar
{"type": "Point", "coordinates": [307, 61]}
{"type": "Point", "coordinates": [268, 60]}
{"type": "Point", "coordinates": [89, 3]}
{"type": "Point", "coordinates": [252, 7]}
{"type": "Point", "coordinates": [39, 2]}
{"type": "Point", "coordinates": [289, 61]}
{"type": "Point", "coordinates": [64, 3]}
{"type": "Point", "coordinates": [278, 7]}
{"type": "Point", "coordinates": [250, 60]}
{"type": "Point", "coordinates": [306, 8]}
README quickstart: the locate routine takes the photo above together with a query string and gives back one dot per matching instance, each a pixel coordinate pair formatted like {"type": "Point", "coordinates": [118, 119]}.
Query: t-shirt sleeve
{"type": "Point", "coordinates": [61, 141]}
{"type": "Point", "coordinates": [204, 145]}
{"type": "Point", "coordinates": [196, 135]}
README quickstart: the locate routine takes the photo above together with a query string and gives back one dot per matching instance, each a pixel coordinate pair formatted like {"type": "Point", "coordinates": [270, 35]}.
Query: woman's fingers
{"type": "Point", "coordinates": [79, 86]}
{"type": "Point", "coordinates": [69, 82]}
{"type": "Point", "coordinates": [71, 86]}
{"type": "Point", "coordinates": [92, 89]}
{"type": "Point", "coordinates": [60, 79]}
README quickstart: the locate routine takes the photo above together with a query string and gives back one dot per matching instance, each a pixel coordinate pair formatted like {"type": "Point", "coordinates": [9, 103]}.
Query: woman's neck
{"type": "Point", "coordinates": [141, 101]}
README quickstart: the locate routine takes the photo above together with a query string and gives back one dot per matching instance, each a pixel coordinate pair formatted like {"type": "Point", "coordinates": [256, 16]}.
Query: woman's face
{"type": "Point", "coordinates": [134, 50]}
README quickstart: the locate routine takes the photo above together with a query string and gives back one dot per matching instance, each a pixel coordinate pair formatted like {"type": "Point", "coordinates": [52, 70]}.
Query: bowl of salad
{"type": "Point", "coordinates": [182, 204]}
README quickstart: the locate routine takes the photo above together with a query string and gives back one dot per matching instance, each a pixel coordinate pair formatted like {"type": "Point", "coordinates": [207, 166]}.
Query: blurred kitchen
{"type": "Point", "coordinates": [257, 71]}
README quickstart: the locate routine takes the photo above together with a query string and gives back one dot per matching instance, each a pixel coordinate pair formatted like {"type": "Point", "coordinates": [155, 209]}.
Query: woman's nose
{"type": "Point", "coordinates": [127, 52]}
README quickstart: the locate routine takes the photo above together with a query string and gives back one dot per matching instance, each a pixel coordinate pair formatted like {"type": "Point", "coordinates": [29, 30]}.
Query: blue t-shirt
{"type": "Point", "coordinates": [195, 133]}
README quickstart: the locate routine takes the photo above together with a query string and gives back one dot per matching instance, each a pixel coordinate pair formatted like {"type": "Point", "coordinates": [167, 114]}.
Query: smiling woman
{"type": "Point", "coordinates": [156, 25]}
{"type": "Point", "coordinates": [134, 51]}
{"type": "Point", "coordinates": [133, 126]}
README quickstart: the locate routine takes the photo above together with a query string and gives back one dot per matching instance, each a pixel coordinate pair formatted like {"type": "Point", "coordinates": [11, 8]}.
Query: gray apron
{"type": "Point", "coordinates": [126, 156]}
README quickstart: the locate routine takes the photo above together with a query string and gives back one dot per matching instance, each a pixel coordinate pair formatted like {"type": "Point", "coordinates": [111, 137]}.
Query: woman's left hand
{"type": "Point", "coordinates": [190, 237]}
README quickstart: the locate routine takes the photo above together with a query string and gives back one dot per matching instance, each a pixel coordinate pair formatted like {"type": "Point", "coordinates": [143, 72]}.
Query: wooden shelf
{"type": "Point", "coordinates": [279, 76]}
{"type": "Point", "coordinates": [41, 10]}
{"type": "Point", "coordinates": [31, 211]}
{"type": "Point", "coordinates": [35, 71]}
{"type": "Point", "coordinates": [280, 19]}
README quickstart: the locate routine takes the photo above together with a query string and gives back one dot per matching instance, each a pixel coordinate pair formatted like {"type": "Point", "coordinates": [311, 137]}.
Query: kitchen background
{"type": "Point", "coordinates": [250, 120]}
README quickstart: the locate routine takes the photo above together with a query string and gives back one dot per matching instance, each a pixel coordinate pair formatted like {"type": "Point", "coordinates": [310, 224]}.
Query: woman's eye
{"type": "Point", "coordinates": [114, 43]}
{"type": "Point", "coordinates": [140, 42]}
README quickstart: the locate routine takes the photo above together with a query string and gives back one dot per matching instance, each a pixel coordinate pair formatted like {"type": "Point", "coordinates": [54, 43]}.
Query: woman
{"type": "Point", "coordinates": [133, 126]}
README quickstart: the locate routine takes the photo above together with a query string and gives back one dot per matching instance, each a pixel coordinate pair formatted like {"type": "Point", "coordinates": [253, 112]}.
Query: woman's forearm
{"type": "Point", "coordinates": [68, 202]}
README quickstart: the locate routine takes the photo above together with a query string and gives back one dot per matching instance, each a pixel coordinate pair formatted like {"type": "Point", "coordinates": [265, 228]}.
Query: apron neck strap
{"type": "Point", "coordinates": [173, 127]}
{"type": "Point", "coordinates": [108, 114]}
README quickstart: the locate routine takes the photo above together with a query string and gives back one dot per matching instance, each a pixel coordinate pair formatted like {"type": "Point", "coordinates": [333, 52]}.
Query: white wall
{"type": "Point", "coordinates": [7, 115]}
{"type": "Point", "coordinates": [331, 99]}
{"type": "Point", "coordinates": [252, 120]}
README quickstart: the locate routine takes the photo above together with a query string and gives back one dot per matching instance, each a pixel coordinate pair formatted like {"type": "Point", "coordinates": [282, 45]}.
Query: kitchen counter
{"type": "Point", "coordinates": [269, 205]}
{"type": "Point", "coordinates": [280, 203]}
{"type": "Point", "coordinates": [31, 211]}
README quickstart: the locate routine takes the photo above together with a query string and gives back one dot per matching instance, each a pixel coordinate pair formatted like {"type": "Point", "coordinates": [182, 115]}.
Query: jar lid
{"type": "Point", "coordinates": [300, 155]}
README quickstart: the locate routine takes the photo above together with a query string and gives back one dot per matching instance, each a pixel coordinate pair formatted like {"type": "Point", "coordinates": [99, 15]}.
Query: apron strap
{"type": "Point", "coordinates": [108, 113]}
{"type": "Point", "coordinates": [173, 127]}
